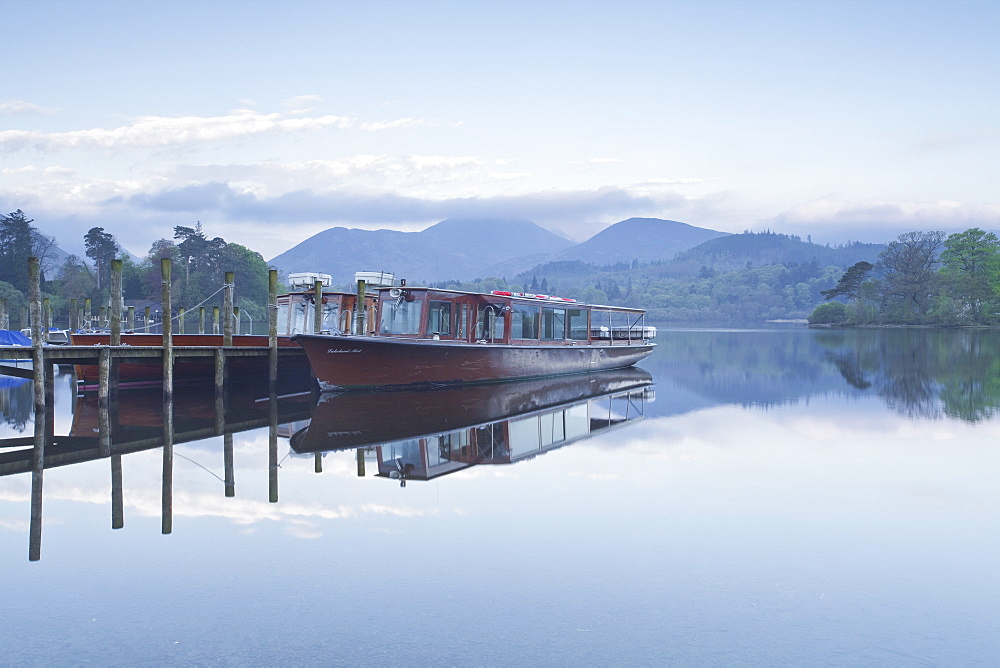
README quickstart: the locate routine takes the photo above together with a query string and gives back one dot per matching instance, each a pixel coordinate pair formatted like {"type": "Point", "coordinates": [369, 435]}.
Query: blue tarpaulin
{"type": "Point", "coordinates": [11, 338]}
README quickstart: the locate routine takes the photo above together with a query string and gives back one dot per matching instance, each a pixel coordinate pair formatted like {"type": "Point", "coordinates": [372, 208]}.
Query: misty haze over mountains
{"type": "Point", "coordinates": [465, 248]}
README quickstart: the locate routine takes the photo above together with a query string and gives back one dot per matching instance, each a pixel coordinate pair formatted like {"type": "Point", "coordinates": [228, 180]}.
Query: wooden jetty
{"type": "Point", "coordinates": [166, 355]}
{"type": "Point", "coordinates": [44, 449]}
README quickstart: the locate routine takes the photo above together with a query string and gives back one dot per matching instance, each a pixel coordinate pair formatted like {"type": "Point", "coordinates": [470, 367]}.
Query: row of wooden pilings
{"type": "Point", "coordinates": [41, 376]}
{"type": "Point", "coordinates": [81, 316]}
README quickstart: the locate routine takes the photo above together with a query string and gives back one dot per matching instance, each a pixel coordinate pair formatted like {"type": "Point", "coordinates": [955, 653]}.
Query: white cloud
{"type": "Point", "coordinates": [837, 220]}
{"type": "Point", "coordinates": [508, 176]}
{"type": "Point", "coordinates": [21, 107]}
{"type": "Point", "coordinates": [940, 214]}
{"type": "Point", "coordinates": [302, 104]}
{"type": "Point", "coordinates": [672, 182]}
{"type": "Point", "coordinates": [153, 131]}
{"type": "Point", "coordinates": [374, 126]}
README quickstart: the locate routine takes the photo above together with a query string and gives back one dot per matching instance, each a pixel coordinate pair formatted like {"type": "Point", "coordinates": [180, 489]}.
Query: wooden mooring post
{"type": "Point", "coordinates": [229, 465]}
{"type": "Point", "coordinates": [4, 314]}
{"type": "Point", "coordinates": [167, 489]}
{"type": "Point", "coordinates": [167, 518]}
{"type": "Point", "coordinates": [38, 376]}
{"type": "Point", "coordinates": [359, 310]}
{"type": "Point", "coordinates": [272, 329]}
{"type": "Point", "coordinates": [317, 307]}
{"type": "Point", "coordinates": [166, 326]}
{"type": "Point", "coordinates": [272, 449]}
{"type": "Point", "coordinates": [117, 498]}
{"type": "Point", "coordinates": [227, 309]}
{"type": "Point", "coordinates": [46, 319]}
{"type": "Point", "coordinates": [104, 401]}
{"type": "Point", "coordinates": [74, 315]}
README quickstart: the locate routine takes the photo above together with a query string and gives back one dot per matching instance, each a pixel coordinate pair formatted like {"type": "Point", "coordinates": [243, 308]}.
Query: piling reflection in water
{"type": "Point", "coordinates": [420, 435]}
{"type": "Point", "coordinates": [414, 435]}
{"type": "Point", "coordinates": [143, 420]}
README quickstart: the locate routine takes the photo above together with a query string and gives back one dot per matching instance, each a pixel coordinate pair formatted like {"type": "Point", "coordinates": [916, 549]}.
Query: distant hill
{"type": "Point", "coordinates": [457, 247]}
{"type": "Point", "coordinates": [765, 248]}
{"type": "Point", "coordinates": [468, 248]}
{"type": "Point", "coordinates": [643, 239]}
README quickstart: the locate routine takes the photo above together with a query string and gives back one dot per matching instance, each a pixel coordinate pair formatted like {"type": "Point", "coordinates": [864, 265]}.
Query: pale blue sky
{"type": "Point", "coordinates": [270, 121]}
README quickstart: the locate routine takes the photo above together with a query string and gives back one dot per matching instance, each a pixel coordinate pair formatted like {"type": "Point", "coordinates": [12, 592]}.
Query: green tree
{"type": "Point", "coordinates": [101, 248]}
{"type": "Point", "coordinates": [75, 279]}
{"type": "Point", "coordinates": [828, 314]}
{"type": "Point", "coordinates": [908, 269]}
{"type": "Point", "coordinates": [971, 270]}
{"type": "Point", "coordinates": [15, 301]}
{"type": "Point", "coordinates": [202, 261]}
{"type": "Point", "coordinates": [15, 248]}
{"type": "Point", "coordinates": [251, 278]}
{"type": "Point", "coordinates": [849, 284]}
{"type": "Point", "coordinates": [149, 269]}
{"type": "Point", "coordinates": [198, 252]}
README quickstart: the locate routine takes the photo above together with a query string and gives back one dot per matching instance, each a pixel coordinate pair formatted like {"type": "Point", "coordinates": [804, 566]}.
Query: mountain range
{"type": "Point", "coordinates": [466, 248]}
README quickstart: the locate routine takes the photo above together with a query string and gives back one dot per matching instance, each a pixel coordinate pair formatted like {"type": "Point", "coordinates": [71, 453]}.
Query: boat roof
{"type": "Point", "coordinates": [520, 296]}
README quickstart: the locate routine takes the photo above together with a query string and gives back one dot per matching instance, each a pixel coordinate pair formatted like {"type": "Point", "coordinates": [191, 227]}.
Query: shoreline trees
{"type": "Point", "coordinates": [922, 278]}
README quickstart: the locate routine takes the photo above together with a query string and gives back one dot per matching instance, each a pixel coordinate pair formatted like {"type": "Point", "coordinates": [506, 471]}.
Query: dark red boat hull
{"type": "Point", "coordinates": [357, 362]}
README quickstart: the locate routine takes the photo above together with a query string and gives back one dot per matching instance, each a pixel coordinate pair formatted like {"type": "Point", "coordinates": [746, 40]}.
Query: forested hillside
{"type": "Point", "coordinates": [740, 278]}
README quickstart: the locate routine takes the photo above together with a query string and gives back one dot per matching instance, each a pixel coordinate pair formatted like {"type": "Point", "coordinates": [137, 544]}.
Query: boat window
{"type": "Point", "coordinates": [451, 447]}
{"type": "Point", "coordinates": [490, 323]}
{"type": "Point", "coordinates": [553, 323]}
{"type": "Point", "coordinates": [462, 322]}
{"type": "Point", "coordinates": [491, 441]}
{"type": "Point", "coordinates": [331, 315]}
{"type": "Point", "coordinates": [300, 316]}
{"type": "Point", "coordinates": [400, 317]}
{"type": "Point", "coordinates": [438, 318]}
{"type": "Point", "coordinates": [283, 328]}
{"type": "Point", "coordinates": [524, 322]}
{"type": "Point", "coordinates": [404, 456]}
{"type": "Point", "coordinates": [578, 326]}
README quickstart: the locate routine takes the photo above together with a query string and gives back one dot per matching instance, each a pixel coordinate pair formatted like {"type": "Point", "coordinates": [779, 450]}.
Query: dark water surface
{"type": "Point", "coordinates": [780, 496]}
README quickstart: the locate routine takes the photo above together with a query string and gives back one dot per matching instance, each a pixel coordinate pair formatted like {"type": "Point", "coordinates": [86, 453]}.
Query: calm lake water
{"type": "Point", "coordinates": [774, 496]}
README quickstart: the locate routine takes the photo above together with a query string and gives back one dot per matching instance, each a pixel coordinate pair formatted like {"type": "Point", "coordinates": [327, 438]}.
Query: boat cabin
{"type": "Point", "coordinates": [297, 313]}
{"type": "Point", "coordinates": [297, 309]}
{"type": "Point", "coordinates": [504, 317]}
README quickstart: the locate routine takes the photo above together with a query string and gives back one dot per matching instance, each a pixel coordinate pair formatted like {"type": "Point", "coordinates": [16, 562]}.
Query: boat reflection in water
{"type": "Point", "coordinates": [420, 435]}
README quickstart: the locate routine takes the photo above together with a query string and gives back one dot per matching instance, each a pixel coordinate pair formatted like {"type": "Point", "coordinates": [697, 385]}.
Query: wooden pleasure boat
{"type": "Point", "coordinates": [428, 337]}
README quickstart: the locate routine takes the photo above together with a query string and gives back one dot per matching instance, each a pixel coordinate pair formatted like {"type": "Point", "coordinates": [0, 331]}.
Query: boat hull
{"type": "Point", "coordinates": [355, 362]}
